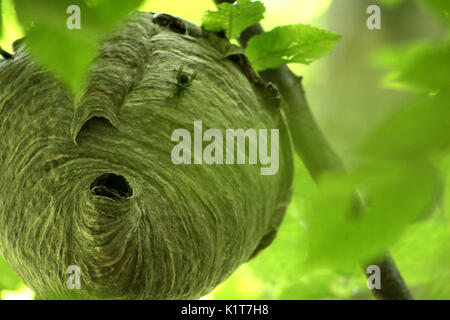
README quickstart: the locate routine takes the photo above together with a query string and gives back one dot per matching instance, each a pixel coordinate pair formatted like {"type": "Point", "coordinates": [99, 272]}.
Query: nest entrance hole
{"type": "Point", "coordinates": [112, 186]}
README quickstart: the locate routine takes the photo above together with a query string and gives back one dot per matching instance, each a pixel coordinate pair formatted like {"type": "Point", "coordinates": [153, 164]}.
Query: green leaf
{"type": "Point", "coordinates": [234, 18]}
{"type": "Point", "coordinates": [70, 61]}
{"type": "Point", "coordinates": [420, 255]}
{"type": "Point", "coordinates": [242, 284]}
{"type": "Point", "coordinates": [441, 6]}
{"type": "Point", "coordinates": [289, 44]}
{"type": "Point", "coordinates": [419, 66]}
{"type": "Point", "coordinates": [395, 178]}
{"type": "Point", "coordinates": [282, 262]}
{"type": "Point", "coordinates": [8, 278]}
{"type": "Point", "coordinates": [418, 130]}
{"type": "Point", "coordinates": [392, 4]}
{"type": "Point", "coordinates": [105, 13]}
{"type": "Point", "coordinates": [324, 284]}
{"type": "Point", "coordinates": [68, 52]}
{"type": "Point", "coordinates": [395, 194]}
{"type": "Point", "coordinates": [427, 67]}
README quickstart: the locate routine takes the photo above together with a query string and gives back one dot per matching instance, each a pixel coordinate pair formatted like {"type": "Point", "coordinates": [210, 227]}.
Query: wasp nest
{"type": "Point", "coordinates": [92, 183]}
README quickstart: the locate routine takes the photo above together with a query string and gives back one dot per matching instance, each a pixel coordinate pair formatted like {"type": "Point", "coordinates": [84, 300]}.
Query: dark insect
{"type": "Point", "coordinates": [221, 34]}
{"type": "Point", "coordinates": [183, 82]}
{"type": "Point", "coordinates": [183, 79]}
{"type": "Point", "coordinates": [5, 54]}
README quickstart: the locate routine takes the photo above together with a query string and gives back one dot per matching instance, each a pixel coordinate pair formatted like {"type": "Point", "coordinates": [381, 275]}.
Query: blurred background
{"type": "Point", "coordinates": [349, 92]}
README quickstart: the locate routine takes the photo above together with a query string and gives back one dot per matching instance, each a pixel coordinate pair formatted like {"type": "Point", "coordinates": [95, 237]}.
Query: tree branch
{"type": "Point", "coordinates": [317, 154]}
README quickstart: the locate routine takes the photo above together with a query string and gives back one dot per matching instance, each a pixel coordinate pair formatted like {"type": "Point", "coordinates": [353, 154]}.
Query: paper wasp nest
{"type": "Point", "coordinates": [93, 184]}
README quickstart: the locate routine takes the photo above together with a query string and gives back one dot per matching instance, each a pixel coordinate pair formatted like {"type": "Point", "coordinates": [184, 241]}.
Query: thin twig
{"type": "Point", "coordinates": [318, 156]}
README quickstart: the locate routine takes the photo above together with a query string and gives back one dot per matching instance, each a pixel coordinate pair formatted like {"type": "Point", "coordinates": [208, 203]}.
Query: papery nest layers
{"type": "Point", "coordinates": [93, 184]}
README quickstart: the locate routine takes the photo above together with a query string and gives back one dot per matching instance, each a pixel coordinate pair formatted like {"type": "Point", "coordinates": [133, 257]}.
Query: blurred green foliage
{"type": "Point", "coordinates": [399, 168]}
{"type": "Point", "coordinates": [1, 20]}
{"type": "Point", "coordinates": [68, 52]}
{"type": "Point", "coordinates": [442, 8]}
{"type": "Point", "coordinates": [8, 279]}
